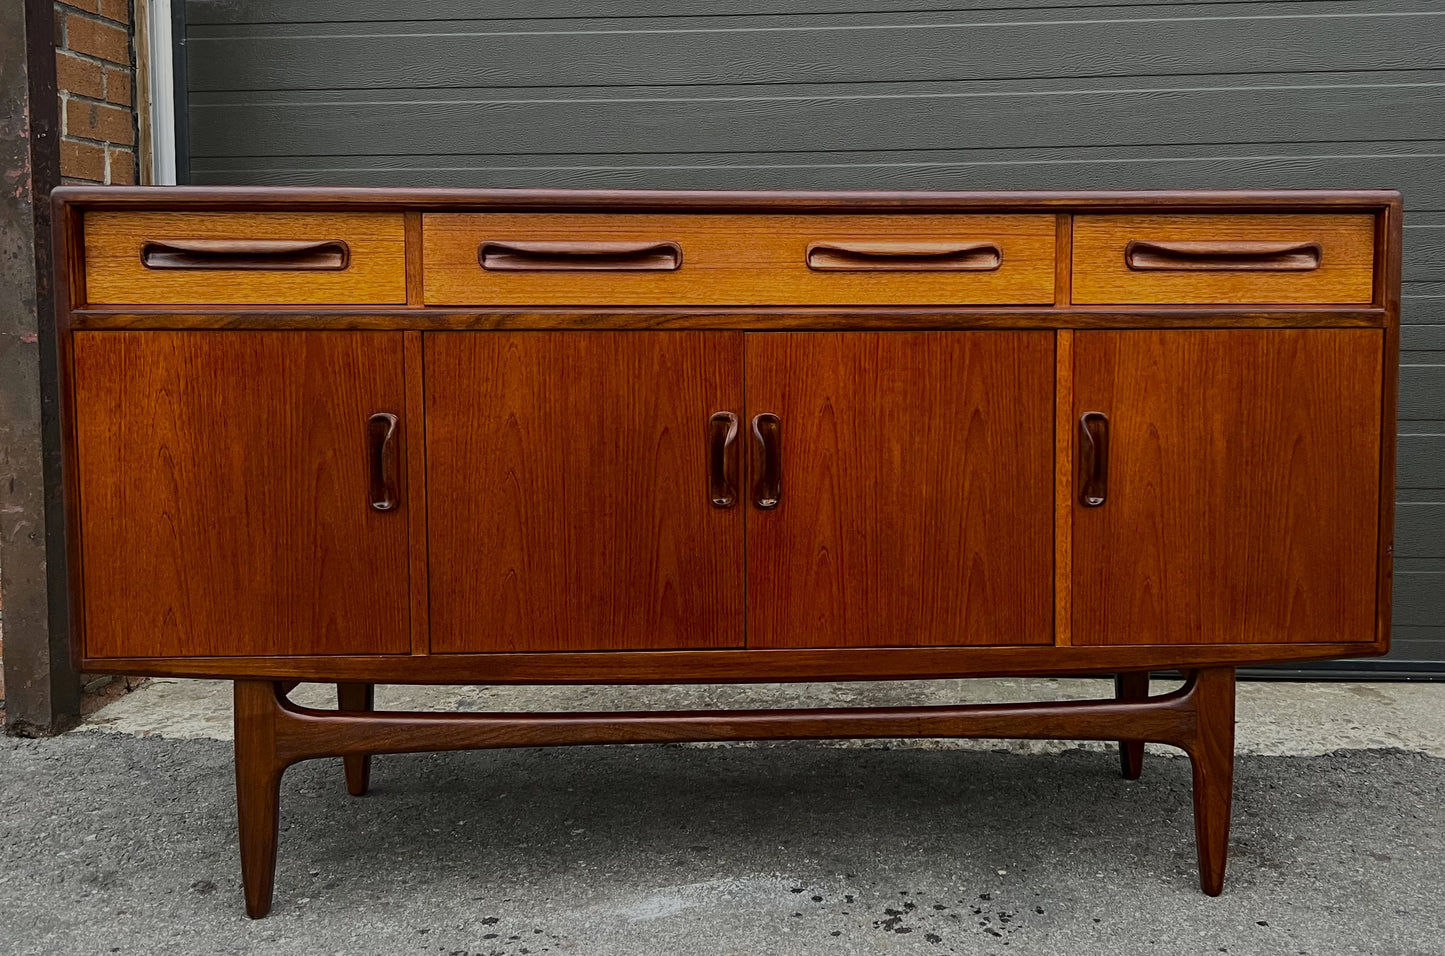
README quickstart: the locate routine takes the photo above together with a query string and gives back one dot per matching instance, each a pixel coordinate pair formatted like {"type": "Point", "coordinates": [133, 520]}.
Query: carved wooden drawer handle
{"type": "Point", "coordinates": [768, 488]}
{"type": "Point", "coordinates": [904, 257]}
{"type": "Point", "coordinates": [497, 256]}
{"type": "Point", "coordinates": [385, 464]}
{"type": "Point", "coordinates": [1148, 256]}
{"type": "Point", "coordinates": [282, 255]}
{"type": "Point", "coordinates": [722, 459]}
{"type": "Point", "coordinates": [1093, 459]}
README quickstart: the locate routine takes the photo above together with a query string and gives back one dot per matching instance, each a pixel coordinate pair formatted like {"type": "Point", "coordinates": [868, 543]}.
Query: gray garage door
{"type": "Point", "coordinates": [962, 94]}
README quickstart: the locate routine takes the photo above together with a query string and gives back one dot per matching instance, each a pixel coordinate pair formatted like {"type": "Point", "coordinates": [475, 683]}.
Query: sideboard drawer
{"type": "Point", "coordinates": [250, 258]}
{"type": "Point", "coordinates": [1310, 258]}
{"type": "Point", "coordinates": [656, 259]}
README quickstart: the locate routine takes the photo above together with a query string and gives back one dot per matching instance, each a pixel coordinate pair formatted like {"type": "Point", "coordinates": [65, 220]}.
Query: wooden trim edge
{"type": "Point", "coordinates": [732, 666]}
{"type": "Point", "coordinates": [1064, 488]}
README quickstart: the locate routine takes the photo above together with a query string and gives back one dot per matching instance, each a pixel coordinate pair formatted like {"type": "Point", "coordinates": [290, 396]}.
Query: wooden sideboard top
{"type": "Point", "coordinates": [640, 200]}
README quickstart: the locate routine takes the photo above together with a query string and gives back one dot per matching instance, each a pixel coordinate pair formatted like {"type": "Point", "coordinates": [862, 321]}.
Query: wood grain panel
{"type": "Point", "coordinates": [568, 491]}
{"type": "Point", "coordinates": [917, 476]}
{"type": "Point", "coordinates": [224, 494]}
{"type": "Point", "coordinates": [739, 260]}
{"type": "Point", "coordinates": [1243, 488]}
{"type": "Point", "coordinates": [375, 273]}
{"type": "Point", "coordinates": [1345, 273]}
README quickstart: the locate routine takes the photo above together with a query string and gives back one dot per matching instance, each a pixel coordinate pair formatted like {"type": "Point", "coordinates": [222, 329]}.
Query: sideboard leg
{"type": "Point", "coordinates": [258, 790]}
{"type": "Point", "coordinates": [1212, 756]}
{"type": "Point", "coordinates": [357, 698]}
{"type": "Point", "coordinates": [1131, 686]}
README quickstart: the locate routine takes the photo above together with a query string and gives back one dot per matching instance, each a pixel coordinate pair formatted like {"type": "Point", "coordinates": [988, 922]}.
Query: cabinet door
{"type": "Point", "coordinates": [915, 474]}
{"type": "Point", "coordinates": [226, 493]}
{"type": "Point", "coordinates": [1242, 488]}
{"type": "Point", "coordinates": [568, 491]}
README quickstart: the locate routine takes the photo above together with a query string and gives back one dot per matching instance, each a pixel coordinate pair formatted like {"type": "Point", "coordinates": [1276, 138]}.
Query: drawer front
{"type": "Point", "coordinates": [1266, 259]}
{"type": "Point", "coordinates": [649, 259]}
{"type": "Point", "coordinates": [254, 258]}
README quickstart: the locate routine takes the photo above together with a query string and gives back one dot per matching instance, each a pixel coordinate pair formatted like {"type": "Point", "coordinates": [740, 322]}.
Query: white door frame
{"type": "Point", "coordinates": [161, 78]}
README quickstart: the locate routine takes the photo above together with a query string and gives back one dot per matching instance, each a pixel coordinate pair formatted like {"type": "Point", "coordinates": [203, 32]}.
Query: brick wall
{"type": "Point", "coordinates": [95, 74]}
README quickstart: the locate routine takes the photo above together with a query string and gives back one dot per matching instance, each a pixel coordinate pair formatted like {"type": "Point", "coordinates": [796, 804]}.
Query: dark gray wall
{"type": "Point", "coordinates": [962, 94]}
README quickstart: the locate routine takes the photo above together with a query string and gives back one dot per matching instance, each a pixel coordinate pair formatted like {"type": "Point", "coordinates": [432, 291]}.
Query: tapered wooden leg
{"type": "Point", "coordinates": [1212, 756]}
{"type": "Point", "coordinates": [1131, 686]}
{"type": "Point", "coordinates": [357, 698]}
{"type": "Point", "coordinates": [258, 791]}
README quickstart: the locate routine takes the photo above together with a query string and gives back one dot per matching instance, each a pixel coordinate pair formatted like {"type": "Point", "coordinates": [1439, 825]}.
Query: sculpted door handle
{"type": "Point", "coordinates": [768, 488]}
{"type": "Point", "coordinates": [385, 460]}
{"type": "Point", "coordinates": [722, 433]}
{"type": "Point", "coordinates": [1146, 256]}
{"type": "Point", "coordinates": [904, 256]}
{"type": "Point", "coordinates": [579, 256]}
{"type": "Point", "coordinates": [280, 255]}
{"type": "Point", "coordinates": [1093, 459]}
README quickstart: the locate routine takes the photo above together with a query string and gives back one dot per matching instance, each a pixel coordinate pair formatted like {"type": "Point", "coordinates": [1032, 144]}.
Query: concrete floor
{"type": "Point", "coordinates": [119, 837]}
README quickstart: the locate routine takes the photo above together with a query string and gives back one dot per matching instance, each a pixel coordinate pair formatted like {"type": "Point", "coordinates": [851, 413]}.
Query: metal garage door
{"type": "Point", "coordinates": [873, 94]}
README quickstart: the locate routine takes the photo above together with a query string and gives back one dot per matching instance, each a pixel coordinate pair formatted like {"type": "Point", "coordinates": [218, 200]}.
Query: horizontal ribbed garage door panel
{"type": "Point", "coordinates": [1425, 247]}
{"type": "Point", "coordinates": [1422, 305]}
{"type": "Point", "coordinates": [1423, 338]}
{"type": "Point", "coordinates": [1420, 598]}
{"type": "Point", "coordinates": [1420, 529]}
{"type": "Point", "coordinates": [1418, 461]}
{"type": "Point", "coordinates": [911, 47]}
{"type": "Point", "coordinates": [1417, 643]}
{"type": "Point", "coordinates": [382, 11]}
{"type": "Point", "coordinates": [1416, 168]}
{"type": "Point", "coordinates": [657, 121]}
{"type": "Point", "coordinates": [1421, 389]}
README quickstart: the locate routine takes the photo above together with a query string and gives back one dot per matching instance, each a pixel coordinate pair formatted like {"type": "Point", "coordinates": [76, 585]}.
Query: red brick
{"type": "Point", "coordinates": [81, 77]}
{"type": "Point", "coordinates": [109, 124]}
{"type": "Point", "coordinates": [118, 85]}
{"type": "Point", "coordinates": [89, 6]}
{"type": "Point", "coordinates": [122, 167]}
{"type": "Point", "coordinates": [82, 161]}
{"type": "Point", "coordinates": [97, 39]}
{"type": "Point", "coordinates": [116, 10]}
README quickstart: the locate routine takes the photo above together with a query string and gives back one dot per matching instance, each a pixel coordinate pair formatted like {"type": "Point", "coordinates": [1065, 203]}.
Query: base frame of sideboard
{"type": "Point", "coordinates": [272, 733]}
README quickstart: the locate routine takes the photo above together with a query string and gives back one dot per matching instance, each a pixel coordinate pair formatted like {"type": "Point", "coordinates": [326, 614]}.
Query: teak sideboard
{"type": "Point", "coordinates": [499, 437]}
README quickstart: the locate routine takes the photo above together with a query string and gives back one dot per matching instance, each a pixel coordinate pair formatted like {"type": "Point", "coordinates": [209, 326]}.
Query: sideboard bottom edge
{"type": "Point", "coordinates": [756, 666]}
